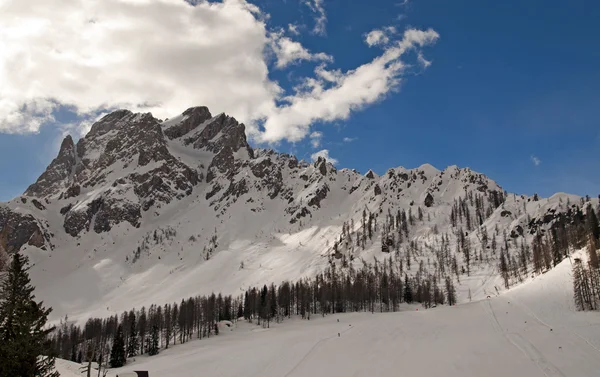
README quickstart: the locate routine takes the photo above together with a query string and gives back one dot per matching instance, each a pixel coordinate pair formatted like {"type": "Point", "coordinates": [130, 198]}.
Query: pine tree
{"type": "Point", "coordinates": [23, 331]}
{"type": "Point", "coordinates": [592, 222]}
{"type": "Point", "coordinates": [133, 343]}
{"type": "Point", "coordinates": [117, 353]}
{"type": "Point", "coordinates": [153, 350]}
{"type": "Point", "coordinates": [450, 291]}
{"type": "Point", "coordinates": [504, 268]}
{"type": "Point", "coordinates": [408, 295]}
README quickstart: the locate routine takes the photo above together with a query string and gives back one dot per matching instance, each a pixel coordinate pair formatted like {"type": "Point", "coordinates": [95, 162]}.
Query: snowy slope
{"type": "Point", "coordinates": [142, 211]}
{"type": "Point", "coordinates": [502, 336]}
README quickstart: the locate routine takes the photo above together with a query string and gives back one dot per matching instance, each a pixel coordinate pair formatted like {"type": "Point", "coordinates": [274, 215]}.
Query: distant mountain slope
{"type": "Point", "coordinates": [142, 210]}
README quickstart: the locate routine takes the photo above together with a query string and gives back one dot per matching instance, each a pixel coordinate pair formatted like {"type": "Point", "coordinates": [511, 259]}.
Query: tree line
{"type": "Point", "coordinates": [376, 287]}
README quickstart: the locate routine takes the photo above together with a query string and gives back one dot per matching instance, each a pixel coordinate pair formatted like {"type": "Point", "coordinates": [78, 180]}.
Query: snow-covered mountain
{"type": "Point", "coordinates": [146, 211]}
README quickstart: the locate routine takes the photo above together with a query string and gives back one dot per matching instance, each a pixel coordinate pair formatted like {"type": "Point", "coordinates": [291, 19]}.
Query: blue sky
{"type": "Point", "coordinates": [513, 91]}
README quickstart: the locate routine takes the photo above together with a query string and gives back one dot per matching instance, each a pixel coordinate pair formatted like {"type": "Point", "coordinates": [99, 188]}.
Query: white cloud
{"type": "Point", "coordinates": [318, 9]}
{"type": "Point", "coordinates": [333, 95]}
{"type": "Point", "coordinates": [165, 56]}
{"type": "Point", "coordinates": [159, 56]}
{"type": "Point", "coordinates": [421, 59]}
{"type": "Point", "coordinates": [315, 139]}
{"type": "Point", "coordinates": [349, 139]}
{"type": "Point", "coordinates": [290, 52]}
{"type": "Point", "coordinates": [536, 161]}
{"type": "Point", "coordinates": [293, 29]}
{"type": "Point", "coordinates": [378, 37]}
{"type": "Point", "coordinates": [325, 154]}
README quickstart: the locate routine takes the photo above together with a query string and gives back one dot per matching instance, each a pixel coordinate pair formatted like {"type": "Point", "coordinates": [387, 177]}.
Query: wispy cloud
{"type": "Point", "coordinates": [315, 139]}
{"type": "Point", "coordinates": [290, 52]}
{"type": "Point", "coordinates": [349, 139]}
{"type": "Point", "coordinates": [317, 7]}
{"type": "Point", "coordinates": [421, 59]}
{"type": "Point", "coordinates": [293, 29]}
{"type": "Point", "coordinates": [536, 161]}
{"type": "Point", "coordinates": [325, 154]}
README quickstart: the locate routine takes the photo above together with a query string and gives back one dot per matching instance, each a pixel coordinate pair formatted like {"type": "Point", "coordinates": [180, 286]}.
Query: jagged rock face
{"type": "Point", "coordinates": [129, 167]}
{"type": "Point", "coordinates": [127, 155]}
{"type": "Point", "coordinates": [192, 118]}
{"type": "Point", "coordinates": [100, 215]}
{"type": "Point", "coordinates": [17, 230]}
{"type": "Point", "coordinates": [321, 164]}
{"type": "Point", "coordinates": [58, 173]}
{"type": "Point", "coordinates": [220, 132]}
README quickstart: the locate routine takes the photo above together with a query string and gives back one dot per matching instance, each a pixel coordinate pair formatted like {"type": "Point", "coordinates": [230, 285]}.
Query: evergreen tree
{"type": "Point", "coordinates": [450, 291]}
{"type": "Point", "coordinates": [592, 223]}
{"type": "Point", "coordinates": [23, 331]}
{"type": "Point", "coordinates": [408, 295]}
{"type": "Point", "coordinates": [153, 350]}
{"type": "Point", "coordinates": [117, 353]}
{"type": "Point", "coordinates": [504, 268]}
{"type": "Point", "coordinates": [133, 343]}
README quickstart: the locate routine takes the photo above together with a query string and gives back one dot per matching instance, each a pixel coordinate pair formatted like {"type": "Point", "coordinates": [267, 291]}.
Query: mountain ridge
{"type": "Point", "coordinates": [139, 200]}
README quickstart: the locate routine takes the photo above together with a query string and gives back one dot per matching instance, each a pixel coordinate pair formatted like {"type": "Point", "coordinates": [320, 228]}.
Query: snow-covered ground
{"type": "Point", "coordinates": [529, 331]}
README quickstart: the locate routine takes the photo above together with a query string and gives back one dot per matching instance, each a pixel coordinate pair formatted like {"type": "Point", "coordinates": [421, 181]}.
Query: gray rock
{"type": "Point", "coordinates": [18, 229]}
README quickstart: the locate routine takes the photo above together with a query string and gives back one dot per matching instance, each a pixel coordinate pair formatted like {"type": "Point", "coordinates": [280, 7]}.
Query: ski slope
{"type": "Point", "coordinates": [529, 331]}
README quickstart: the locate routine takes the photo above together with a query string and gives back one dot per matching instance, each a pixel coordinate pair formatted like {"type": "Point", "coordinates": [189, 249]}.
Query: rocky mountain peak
{"type": "Point", "coordinates": [58, 174]}
{"type": "Point", "coordinates": [190, 119]}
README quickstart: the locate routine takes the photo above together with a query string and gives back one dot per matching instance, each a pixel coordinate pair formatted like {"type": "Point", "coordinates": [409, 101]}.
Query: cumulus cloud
{"type": "Point", "coordinates": [165, 56]}
{"type": "Point", "coordinates": [536, 161]}
{"type": "Point", "coordinates": [289, 52]}
{"type": "Point", "coordinates": [315, 139]}
{"type": "Point", "coordinates": [317, 7]}
{"type": "Point", "coordinates": [325, 154]}
{"type": "Point", "coordinates": [158, 56]}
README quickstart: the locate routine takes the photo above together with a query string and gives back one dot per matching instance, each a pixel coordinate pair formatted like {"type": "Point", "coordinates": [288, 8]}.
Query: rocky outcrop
{"type": "Point", "coordinates": [17, 230]}
{"type": "Point", "coordinates": [58, 173]}
{"type": "Point", "coordinates": [100, 215]}
{"type": "Point", "coordinates": [321, 165]}
{"type": "Point", "coordinates": [428, 200]}
{"type": "Point", "coordinates": [319, 195]}
{"type": "Point", "coordinates": [192, 118]}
